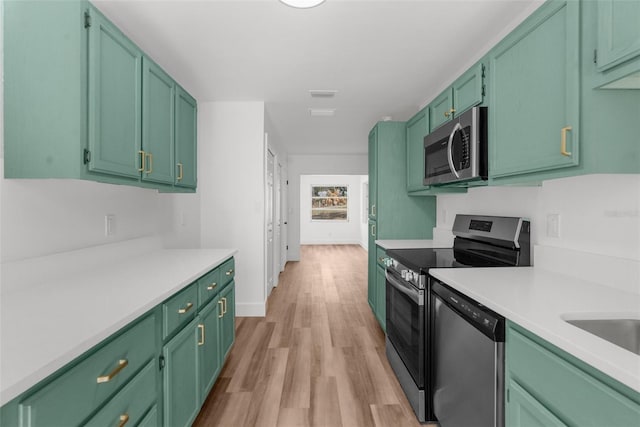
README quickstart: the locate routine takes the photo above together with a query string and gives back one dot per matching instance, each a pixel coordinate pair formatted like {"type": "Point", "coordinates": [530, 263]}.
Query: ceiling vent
{"type": "Point", "coordinates": [323, 93]}
{"type": "Point", "coordinates": [322, 112]}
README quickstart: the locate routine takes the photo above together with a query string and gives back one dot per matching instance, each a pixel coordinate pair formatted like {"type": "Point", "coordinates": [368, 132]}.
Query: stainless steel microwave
{"type": "Point", "coordinates": [457, 150]}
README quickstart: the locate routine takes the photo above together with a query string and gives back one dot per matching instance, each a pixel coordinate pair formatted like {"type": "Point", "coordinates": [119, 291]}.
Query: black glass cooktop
{"type": "Point", "coordinates": [463, 254]}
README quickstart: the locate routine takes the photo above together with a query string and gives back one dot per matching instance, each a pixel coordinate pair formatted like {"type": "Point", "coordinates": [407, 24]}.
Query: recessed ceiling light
{"type": "Point", "coordinates": [322, 112]}
{"type": "Point", "coordinates": [323, 93]}
{"type": "Point", "coordinates": [302, 4]}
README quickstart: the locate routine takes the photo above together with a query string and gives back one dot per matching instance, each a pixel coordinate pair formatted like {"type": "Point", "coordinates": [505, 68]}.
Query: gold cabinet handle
{"type": "Point", "coordinates": [124, 418]}
{"type": "Point", "coordinates": [142, 160]}
{"type": "Point", "coordinates": [221, 315]}
{"type": "Point", "coordinates": [122, 363]}
{"type": "Point", "coordinates": [373, 210]}
{"type": "Point", "coordinates": [180, 172]}
{"type": "Point", "coordinates": [186, 308]}
{"type": "Point", "coordinates": [230, 272]}
{"type": "Point", "coordinates": [150, 157]}
{"type": "Point", "coordinates": [563, 141]}
{"type": "Point", "coordinates": [373, 230]}
{"type": "Point", "coordinates": [212, 286]}
{"type": "Point", "coordinates": [201, 327]}
{"type": "Point", "coordinates": [224, 306]}
{"type": "Point", "coordinates": [450, 112]}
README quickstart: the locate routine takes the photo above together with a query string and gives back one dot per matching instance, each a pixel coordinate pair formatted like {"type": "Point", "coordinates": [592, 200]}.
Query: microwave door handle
{"type": "Point", "coordinates": [456, 128]}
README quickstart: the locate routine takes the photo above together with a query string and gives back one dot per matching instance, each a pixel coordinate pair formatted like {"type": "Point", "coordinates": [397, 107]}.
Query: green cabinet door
{"type": "Point", "coordinates": [186, 142]}
{"type": "Point", "coordinates": [209, 358]}
{"type": "Point", "coordinates": [468, 89]}
{"type": "Point", "coordinates": [114, 96]}
{"type": "Point", "coordinates": [373, 176]}
{"type": "Point", "coordinates": [441, 109]}
{"type": "Point", "coordinates": [181, 379]}
{"type": "Point", "coordinates": [157, 123]}
{"type": "Point", "coordinates": [618, 32]}
{"type": "Point", "coordinates": [535, 94]}
{"type": "Point", "coordinates": [523, 410]}
{"type": "Point", "coordinates": [228, 332]}
{"type": "Point", "coordinates": [417, 129]}
{"type": "Point", "coordinates": [381, 297]}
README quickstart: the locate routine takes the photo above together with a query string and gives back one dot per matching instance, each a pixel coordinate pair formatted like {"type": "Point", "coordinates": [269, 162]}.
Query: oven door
{"type": "Point", "coordinates": [406, 324]}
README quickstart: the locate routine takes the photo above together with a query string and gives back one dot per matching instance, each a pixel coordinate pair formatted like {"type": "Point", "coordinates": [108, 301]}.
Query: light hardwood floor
{"type": "Point", "coordinates": [316, 359]}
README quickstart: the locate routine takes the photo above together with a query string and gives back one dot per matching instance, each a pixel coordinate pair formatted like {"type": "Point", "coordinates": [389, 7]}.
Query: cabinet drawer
{"type": "Point", "coordinates": [130, 405]}
{"type": "Point", "coordinates": [227, 271]}
{"type": "Point", "coordinates": [549, 375]}
{"type": "Point", "coordinates": [151, 419]}
{"type": "Point", "coordinates": [70, 398]}
{"type": "Point", "coordinates": [179, 309]}
{"type": "Point", "coordinates": [208, 286]}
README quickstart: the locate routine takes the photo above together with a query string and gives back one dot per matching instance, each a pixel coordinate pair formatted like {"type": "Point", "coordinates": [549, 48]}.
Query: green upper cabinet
{"type": "Point", "coordinates": [534, 121]}
{"type": "Point", "coordinates": [618, 32]}
{"type": "Point", "coordinates": [466, 92]}
{"type": "Point", "coordinates": [186, 119]}
{"type": "Point", "coordinates": [115, 66]}
{"type": "Point", "coordinates": [158, 91]}
{"type": "Point", "coordinates": [468, 89]}
{"type": "Point", "coordinates": [417, 129]}
{"type": "Point", "coordinates": [618, 43]}
{"type": "Point", "coordinates": [82, 101]}
{"type": "Point", "coordinates": [373, 176]}
{"type": "Point", "coordinates": [441, 109]}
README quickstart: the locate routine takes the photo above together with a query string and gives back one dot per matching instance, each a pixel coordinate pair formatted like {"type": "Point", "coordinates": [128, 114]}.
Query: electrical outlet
{"type": "Point", "coordinates": [553, 225]}
{"type": "Point", "coordinates": [109, 225]}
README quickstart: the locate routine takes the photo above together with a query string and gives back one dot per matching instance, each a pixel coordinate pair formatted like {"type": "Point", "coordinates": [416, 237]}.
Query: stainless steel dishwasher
{"type": "Point", "coordinates": [468, 361]}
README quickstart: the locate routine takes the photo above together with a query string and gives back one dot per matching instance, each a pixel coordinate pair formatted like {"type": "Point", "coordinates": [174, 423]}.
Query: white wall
{"type": "Point", "coordinates": [346, 164]}
{"type": "Point", "coordinates": [598, 213]}
{"type": "Point", "coordinates": [330, 232]}
{"type": "Point", "coordinates": [364, 211]}
{"type": "Point", "coordinates": [231, 168]}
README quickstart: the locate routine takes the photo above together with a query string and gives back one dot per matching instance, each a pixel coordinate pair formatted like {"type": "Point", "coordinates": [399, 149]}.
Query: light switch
{"type": "Point", "coordinates": [109, 225]}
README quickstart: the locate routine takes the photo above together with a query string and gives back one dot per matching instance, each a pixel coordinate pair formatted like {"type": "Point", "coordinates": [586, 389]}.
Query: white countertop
{"type": "Point", "coordinates": [537, 300]}
{"type": "Point", "coordinates": [46, 325]}
{"type": "Point", "coordinates": [412, 244]}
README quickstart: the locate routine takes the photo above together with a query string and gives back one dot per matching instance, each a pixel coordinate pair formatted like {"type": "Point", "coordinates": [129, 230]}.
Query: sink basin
{"type": "Point", "coordinates": [621, 332]}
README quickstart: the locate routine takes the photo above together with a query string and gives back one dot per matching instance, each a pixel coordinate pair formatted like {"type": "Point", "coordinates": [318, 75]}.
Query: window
{"type": "Point", "coordinates": [329, 203]}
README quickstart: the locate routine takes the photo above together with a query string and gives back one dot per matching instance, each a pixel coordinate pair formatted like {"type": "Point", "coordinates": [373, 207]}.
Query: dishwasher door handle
{"type": "Point", "coordinates": [415, 295]}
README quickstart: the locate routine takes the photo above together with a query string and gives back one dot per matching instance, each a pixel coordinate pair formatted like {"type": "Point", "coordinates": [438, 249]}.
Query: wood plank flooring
{"type": "Point", "coordinates": [316, 359]}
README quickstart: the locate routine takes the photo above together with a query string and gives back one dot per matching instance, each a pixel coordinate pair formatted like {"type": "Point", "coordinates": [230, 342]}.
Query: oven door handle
{"type": "Point", "coordinates": [408, 290]}
{"type": "Point", "coordinates": [456, 128]}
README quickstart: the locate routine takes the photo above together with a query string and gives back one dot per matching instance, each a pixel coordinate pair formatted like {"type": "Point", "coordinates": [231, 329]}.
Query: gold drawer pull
{"type": "Point", "coordinates": [212, 286]}
{"type": "Point", "coordinates": [221, 315]}
{"type": "Point", "coordinates": [186, 308]}
{"type": "Point", "coordinates": [150, 157]}
{"type": "Point", "coordinates": [201, 327]}
{"type": "Point", "coordinates": [123, 420]}
{"type": "Point", "coordinates": [122, 363]}
{"type": "Point", "coordinates": [230, 272]}
{"type": "Point", "coordinates": [224, 306]}
{"type": "Point", "coordinates": [180, 172]}
{"type": "Point", "coordinates": [563, 141]}
{"type": "Point", "coordinates": [450, 112]}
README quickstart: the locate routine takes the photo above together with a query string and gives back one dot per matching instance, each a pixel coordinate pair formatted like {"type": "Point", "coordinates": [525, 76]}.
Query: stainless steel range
{"type": "Point", "coordinates": [481, 241]}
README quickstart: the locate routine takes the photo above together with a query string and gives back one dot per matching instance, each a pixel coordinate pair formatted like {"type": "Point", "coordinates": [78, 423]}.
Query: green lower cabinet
{"type": "Point", "coordinates": [534, 119]}
{"type": "Point", "coordinates": [523, 410]}
{"type": "Point", "coordinates": [151, 419]}
{"type": "Point", "coordinates": [181, 377]}
{"type": "Point", "coordinates": [546, 386]}
{"type": "Point", "coordinates": [209, 358]}
{"type": "Point", "coordinates": [371, 267]}
{"type": "Point", "coordinates": [228, 320]}
{"type": "Point", "coordinates": [132, 403]}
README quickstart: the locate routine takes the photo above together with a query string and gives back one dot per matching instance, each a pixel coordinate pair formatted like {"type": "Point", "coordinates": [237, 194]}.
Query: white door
{"type": "Point", "coordinates": [277, 222]}
{"type": "Point", "coordinates": [284, 195]}
{"type": "Point", "coordinates": [270, 195]}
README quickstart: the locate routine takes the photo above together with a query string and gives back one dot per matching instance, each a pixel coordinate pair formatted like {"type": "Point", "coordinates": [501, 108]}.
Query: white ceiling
{"type": "Point", "coordinates": [384, 57]}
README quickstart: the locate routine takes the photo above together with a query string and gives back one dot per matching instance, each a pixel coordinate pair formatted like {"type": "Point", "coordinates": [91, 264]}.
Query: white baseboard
{"type": "Point", "coordinates": [330, 242]}
{"type": "Point", "coordinates": [251, 310]}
